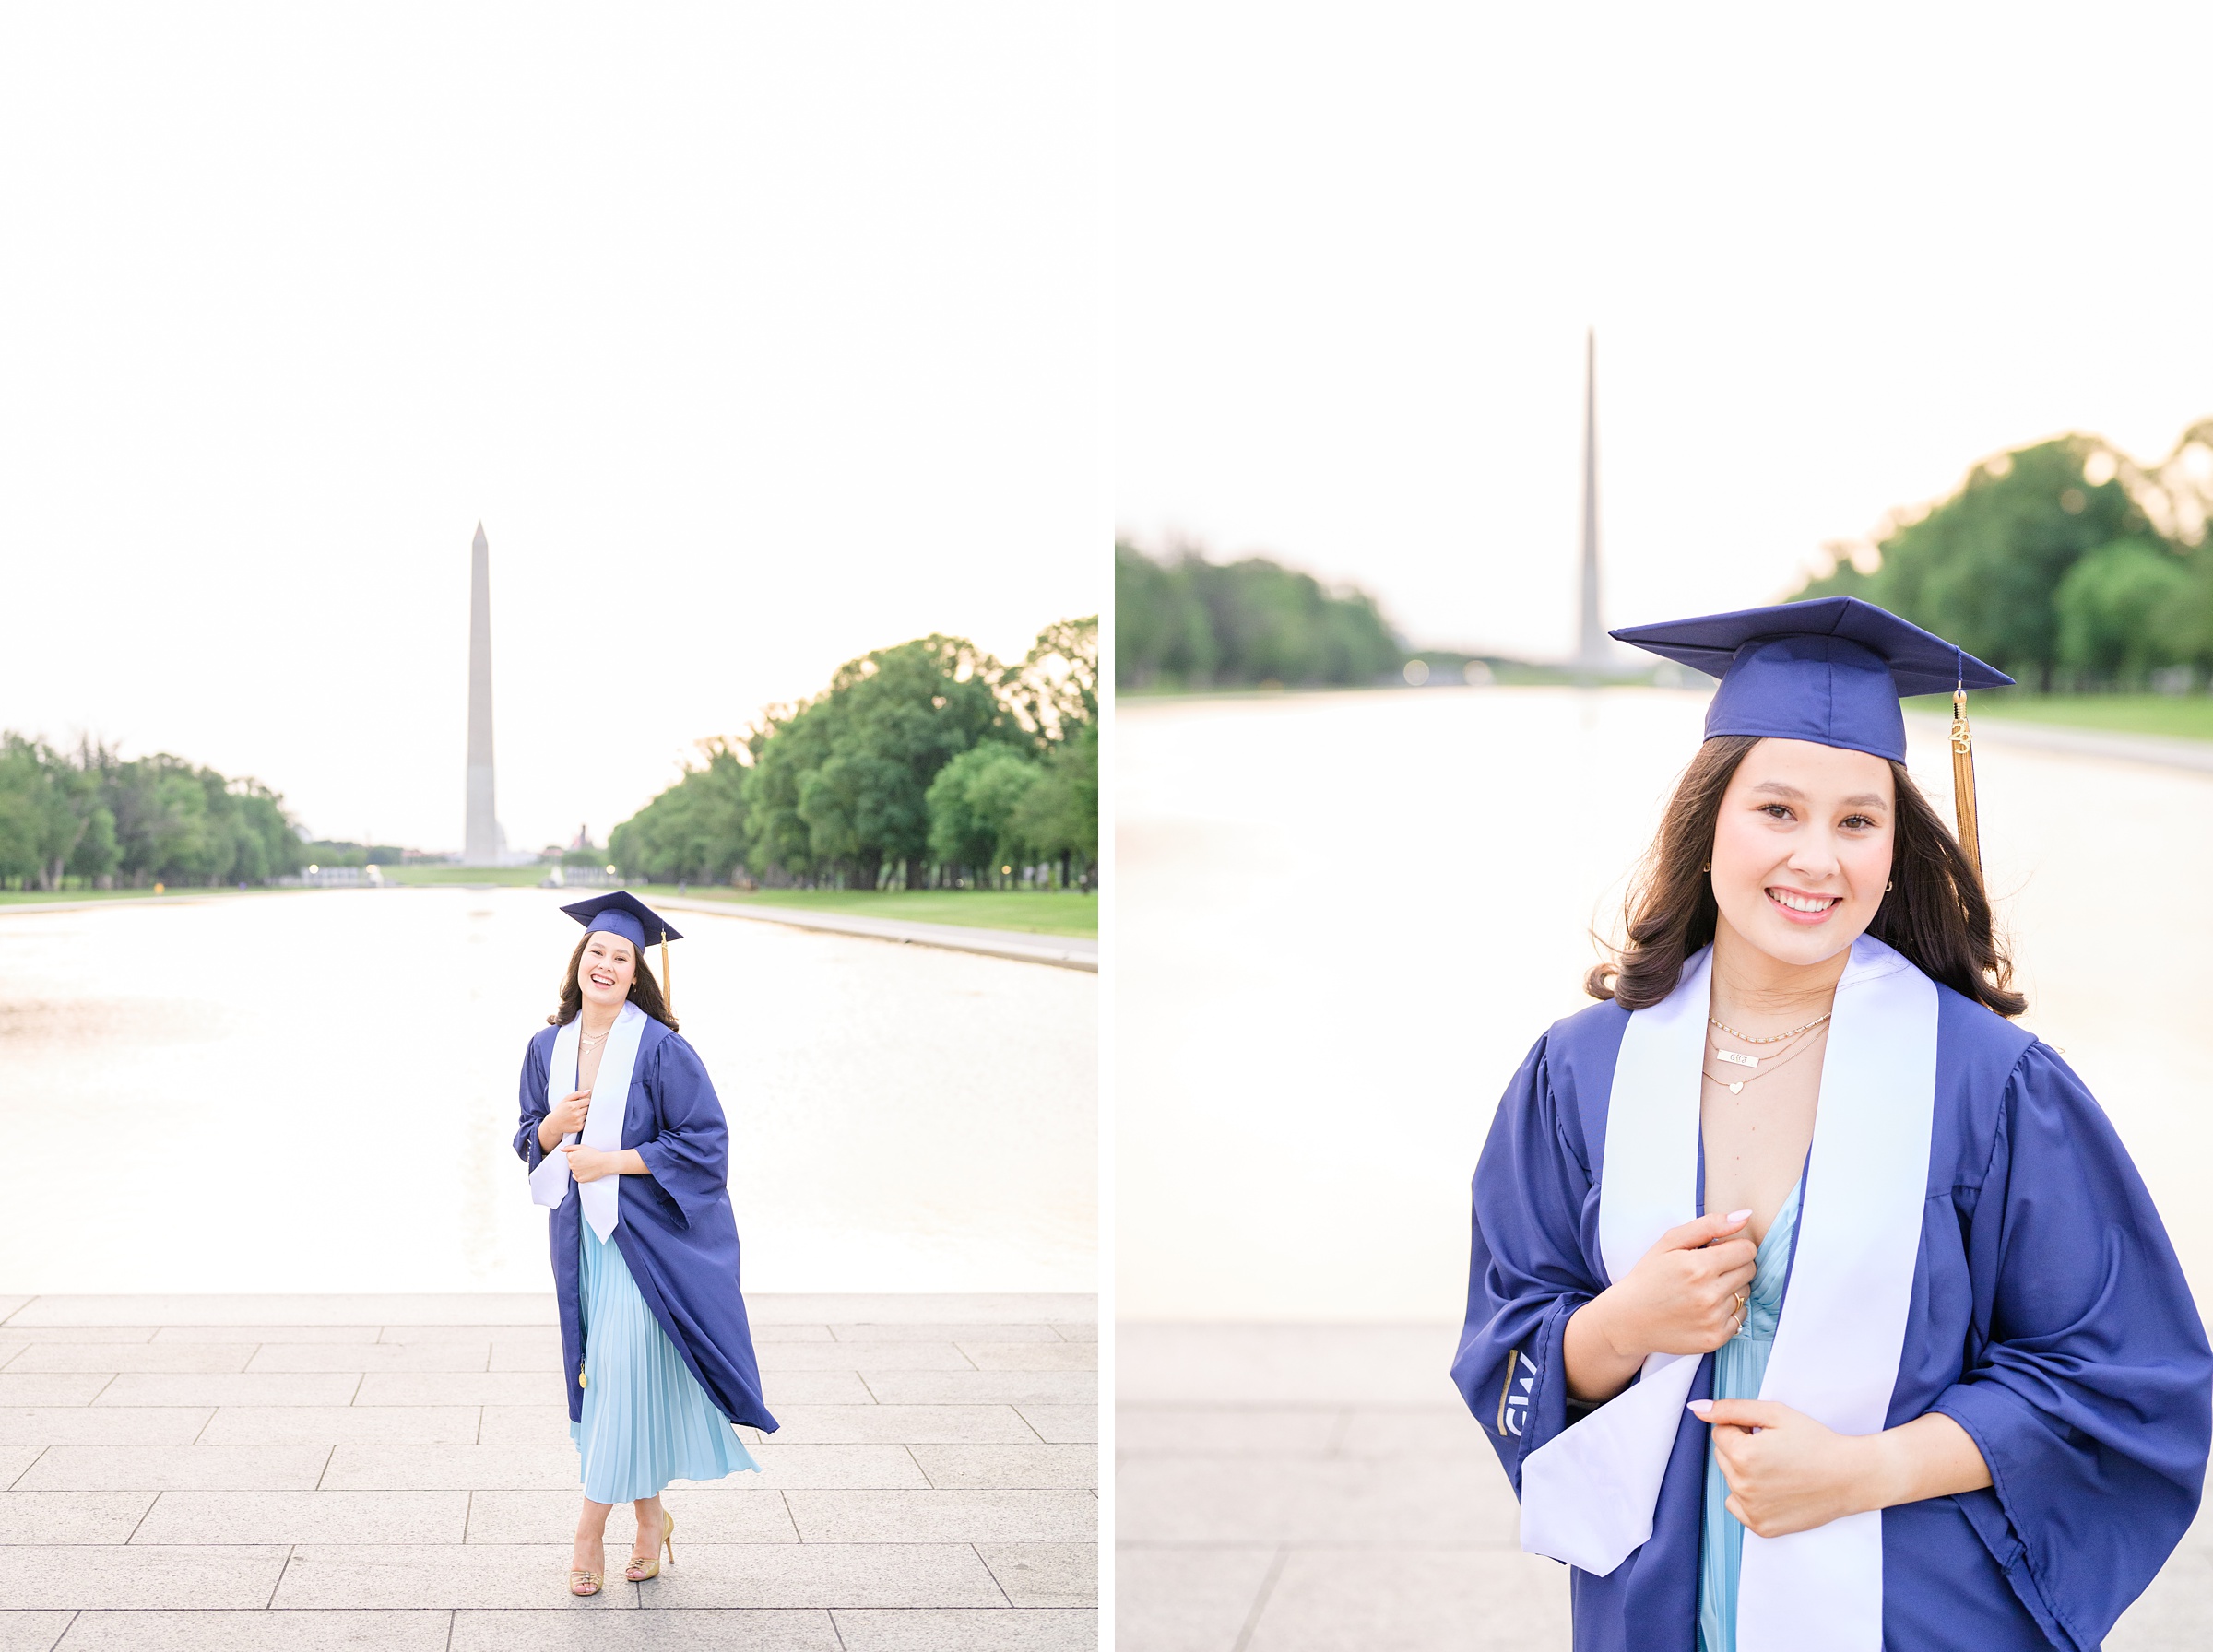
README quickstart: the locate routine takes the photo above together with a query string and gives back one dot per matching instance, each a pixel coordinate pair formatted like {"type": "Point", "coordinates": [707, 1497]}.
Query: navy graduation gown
{"type": "Point", "coordinates": [677, 1231]}
{"type": "Point", "coordinates": [2049, 1319]}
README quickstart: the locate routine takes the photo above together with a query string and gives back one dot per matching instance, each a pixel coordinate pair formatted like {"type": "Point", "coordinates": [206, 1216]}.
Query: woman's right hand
{"type": "Point", "coordinates": [566, 1119]}
{"type": "Point", "coordinates": [1682, 1297]}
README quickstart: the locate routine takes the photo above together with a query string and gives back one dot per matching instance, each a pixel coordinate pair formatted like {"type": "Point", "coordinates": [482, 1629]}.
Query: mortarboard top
{"type": "Point", "coordinates": [1831, 671]}
{"type": "Point", "coordinates": [622, 914]}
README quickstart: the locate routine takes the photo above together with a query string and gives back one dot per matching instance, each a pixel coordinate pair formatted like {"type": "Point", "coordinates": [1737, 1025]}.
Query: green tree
{"type": "Point", "coordinates": [694, 830]}
{"type": "Point", "coordinates": [2118, 608]}
{"type": "Point", "coordinates": [1193, 621]}
{"type": "Point", "coordinates": [974, 803]}
{"type": "Point", "coordinates": [88, 814]}
{"type": "Point", "coordinates": [45, 807]}
{"type": "Point", "coordinates": [1054, 690]}
{"type": "Point", "coordinates": [1162, 630]}
{"type": "Point", "coordinates": [838, 786]}
{"type": "Point", "coordinates": [1059, 816]}
{"type": "Point", "coordinates": [1984, 567]}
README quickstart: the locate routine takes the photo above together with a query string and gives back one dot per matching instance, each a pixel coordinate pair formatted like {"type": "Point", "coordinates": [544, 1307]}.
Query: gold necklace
{"type": "Point", "coordinates": [1715, 1021]}
{"type": "Point", "coordinates": [1737, 1086]}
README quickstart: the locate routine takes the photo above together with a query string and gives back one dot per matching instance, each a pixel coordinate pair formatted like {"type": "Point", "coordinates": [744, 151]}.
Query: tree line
{"type": "Point", "coordinates": [2065, 563]}
{"type": "Point", "coordinates": [91, 816]}
{"type": "Point", "coordinates": [927, 765]}
{"type": "Point", "coordinates": [1183, 621]}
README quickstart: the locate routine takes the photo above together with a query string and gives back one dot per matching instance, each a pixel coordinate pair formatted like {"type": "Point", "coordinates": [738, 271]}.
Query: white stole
{"type": "Point", "coordinates": [1588, 1495]}
{"type": "Point", "coordinates": [602, 1118]}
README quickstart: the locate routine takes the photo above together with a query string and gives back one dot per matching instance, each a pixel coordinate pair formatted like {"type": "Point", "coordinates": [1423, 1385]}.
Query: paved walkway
{"type": "Point", "coordinates": [2160, 750]}
{"type": "Point", "coordinates": [1321, 1488]}
{"type": "Point", "coordinates": [1063, 952]}
{"type": "Point", "coordinates": [394, 1472]}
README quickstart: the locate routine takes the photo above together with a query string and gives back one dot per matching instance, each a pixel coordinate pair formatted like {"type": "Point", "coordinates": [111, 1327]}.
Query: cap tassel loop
{"type": "Point", "coordinates": [1964, 780]}
{"type": "Point", "coordinates": [669, 989]}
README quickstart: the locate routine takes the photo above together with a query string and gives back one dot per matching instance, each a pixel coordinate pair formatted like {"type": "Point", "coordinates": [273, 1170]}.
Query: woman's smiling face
{"type": "Point", "coordinates": [1801, 848]}
{"type": "Point", "coordinates": [605, 971]}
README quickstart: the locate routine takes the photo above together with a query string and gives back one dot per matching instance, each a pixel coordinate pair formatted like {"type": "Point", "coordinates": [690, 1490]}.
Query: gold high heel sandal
{"type": "Point", "coordinates": [638, 1570]}
{"type": "Point", "coordinates": [585, 1583]}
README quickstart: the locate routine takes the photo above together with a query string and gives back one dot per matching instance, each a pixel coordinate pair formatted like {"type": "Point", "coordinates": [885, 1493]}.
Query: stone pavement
{"type": "Point", "coordinates": [1321, 1488]}
{"type": "Point", "coordinates": [311, 1472]}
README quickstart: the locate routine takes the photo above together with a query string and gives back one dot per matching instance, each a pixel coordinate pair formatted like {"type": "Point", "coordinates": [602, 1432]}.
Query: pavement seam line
{"type": "Point", "coordinates": [142, 1518]}
{"type": "Point", "coordinates": [991, 1574]}
{"type": "Point", "coordinates": [271, 1604]}
{"type": "Point", "coordinates": [907, 1446]}
{"type": "Point", "coordinates": [1343, 1427]}
{"type": "Point", "coordinates": [325, 1470]}
{"type": "Point", "coordinates": [1260, 1601]}
{"type": "Point", "coordinates": [450, 1616]}
{"type": "Point", "coordinates": [29, 1467]}
{"type": "Point", "coordinates": [213, 1412]}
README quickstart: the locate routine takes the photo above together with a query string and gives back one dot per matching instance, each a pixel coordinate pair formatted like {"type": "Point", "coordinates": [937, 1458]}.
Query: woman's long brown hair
{"type": "Point", "coordinates": [1937, 913]}
{"type": "Point", "coordinates": [644, 991]}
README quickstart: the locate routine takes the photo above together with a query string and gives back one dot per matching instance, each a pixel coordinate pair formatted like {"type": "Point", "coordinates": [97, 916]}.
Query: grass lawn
{"type": "Point", "coordinates": [1046, 912]}
{"type": "Point", "coordinates": [2179, 716]}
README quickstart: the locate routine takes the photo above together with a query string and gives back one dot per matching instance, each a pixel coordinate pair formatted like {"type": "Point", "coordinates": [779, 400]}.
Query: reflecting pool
{"type": "Point", "coordinates": [316, 1090]}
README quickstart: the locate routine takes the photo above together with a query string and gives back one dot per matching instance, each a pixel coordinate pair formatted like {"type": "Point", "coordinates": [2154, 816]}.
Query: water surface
{"type": "Point", "coordinates": [318, 1090]}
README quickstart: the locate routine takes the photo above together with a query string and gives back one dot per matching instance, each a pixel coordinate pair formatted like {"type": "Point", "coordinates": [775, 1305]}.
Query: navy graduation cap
{"type": "Point", "coordinates": [1831, 671]}
{"type": "Point", "coordinates": [623, 914]}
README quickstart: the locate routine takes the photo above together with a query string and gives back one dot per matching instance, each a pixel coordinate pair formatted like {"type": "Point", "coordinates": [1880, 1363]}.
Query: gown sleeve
{"type": "Point", "coordinates": [691, 1155]}
{"type": "Point", "coordinates": [534, 1107]}
{"type": "Point", "coordinates": [2087, 1385]}
{"type": "Point", "coordinates": [1527, 1270]}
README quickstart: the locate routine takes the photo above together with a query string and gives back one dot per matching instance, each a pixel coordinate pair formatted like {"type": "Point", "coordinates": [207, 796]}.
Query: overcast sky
{"type": "Point", "coordinates": [1834, 257]}
{"type": "Point", "coordinates": [756, 336]}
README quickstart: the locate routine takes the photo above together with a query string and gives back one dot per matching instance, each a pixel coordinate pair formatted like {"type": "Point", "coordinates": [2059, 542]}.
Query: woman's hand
{"type": "Point", "coordinates": [565, 1118]}
{"type": "Point", "coordinates": [1786, 1472]}
{"type": "Point", "coordinates": [1684, 1296]}
{"type": "Point", "coordinates": [588, 1163]}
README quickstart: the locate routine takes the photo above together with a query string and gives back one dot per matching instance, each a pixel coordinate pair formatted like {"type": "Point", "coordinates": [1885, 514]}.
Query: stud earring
{"type": "Point", "coordinates": [1888, 886]}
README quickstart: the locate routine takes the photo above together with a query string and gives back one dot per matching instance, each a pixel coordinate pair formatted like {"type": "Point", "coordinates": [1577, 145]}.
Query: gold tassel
{"type": "Point", "coordinates": [1964, 780]}
{"type": "Point", "coordinates": [667, 989]}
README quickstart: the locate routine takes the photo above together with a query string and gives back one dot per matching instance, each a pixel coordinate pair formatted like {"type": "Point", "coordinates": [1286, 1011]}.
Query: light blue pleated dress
{"type": "Point", "coordinates": [1740, 1365]}
{"type": "Point", "coordinates": [646, 1420]}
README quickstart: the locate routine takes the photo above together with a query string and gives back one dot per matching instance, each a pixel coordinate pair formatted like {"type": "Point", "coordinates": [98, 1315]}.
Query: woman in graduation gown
{"type": "Point", "coordinates": [626, 1142]}
{"type": "Point", "coordinates": [1814, 1306]}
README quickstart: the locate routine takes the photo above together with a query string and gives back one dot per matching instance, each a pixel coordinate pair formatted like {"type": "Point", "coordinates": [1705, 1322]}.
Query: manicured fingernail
{"type": "Point", "coordinates": [1738, 1216]}
{"type": "Point", "coordinates": [1698, 1408]}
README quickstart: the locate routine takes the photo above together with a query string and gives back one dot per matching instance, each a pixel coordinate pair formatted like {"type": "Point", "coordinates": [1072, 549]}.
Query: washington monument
{"type": "Point", "coordinates": [1591, 652]}
{"type": "Point", "coordinates": [482, 841]}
